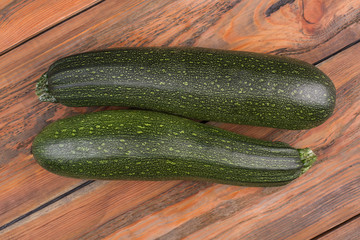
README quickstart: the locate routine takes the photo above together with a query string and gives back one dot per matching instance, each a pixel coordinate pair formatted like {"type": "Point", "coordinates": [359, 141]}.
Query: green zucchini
{"type": "Point", "coordinates": [198, 83]}
{"type": "Point", "coordinates": [147, 145]}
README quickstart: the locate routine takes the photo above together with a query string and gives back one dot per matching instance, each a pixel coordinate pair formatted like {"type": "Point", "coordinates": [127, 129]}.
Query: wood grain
{"type": "Point", "coordinates": [21, 20]}
{"type": "Point", "coordinates": [298, 28]}
{"type": "Point", "coordinates": [241, 25]}
{"type": "Point", "coordinates": [348, 231]}
{"type": "Point", "coordinates": [108, 196]}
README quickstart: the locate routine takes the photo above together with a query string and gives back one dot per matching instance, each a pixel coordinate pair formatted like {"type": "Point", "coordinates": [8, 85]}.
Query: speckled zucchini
{"type": "Point", "coordinates": [205, 84]}
{"type": "Point", "coordinates": [146, 145]}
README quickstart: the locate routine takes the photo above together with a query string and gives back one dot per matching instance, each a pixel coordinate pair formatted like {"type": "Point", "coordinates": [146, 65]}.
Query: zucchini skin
{"type": "Point", "coordinates": [146, 145]}
{"type": "Point", "coordinates": [197, 83]}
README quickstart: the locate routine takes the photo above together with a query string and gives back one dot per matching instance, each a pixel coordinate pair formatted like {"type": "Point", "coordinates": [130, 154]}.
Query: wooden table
{"type": "Point", "coordinates": [322, 204]}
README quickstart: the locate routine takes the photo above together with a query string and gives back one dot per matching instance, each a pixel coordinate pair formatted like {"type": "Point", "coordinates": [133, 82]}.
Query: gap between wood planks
{"type": "Point", "coordinates": [336, 227]}
{"type": "Point", "coordinates": [89, 182]}
{"type": "Point", "coordinates": [339, 51]}
{"type": "Point", "coordinates": [49, 28]}
{"type": "Point", "coordinates": [54, 200]}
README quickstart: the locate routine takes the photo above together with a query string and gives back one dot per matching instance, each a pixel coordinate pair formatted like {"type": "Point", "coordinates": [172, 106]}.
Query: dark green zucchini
{"type": "Point", "coordinates": [146, 145]}
{"type": "Point", "coordinates": [205, 84]}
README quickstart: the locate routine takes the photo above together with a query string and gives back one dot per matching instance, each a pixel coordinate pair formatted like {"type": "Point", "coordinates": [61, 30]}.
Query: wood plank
{"type": "Point", "coordinates": [306, 29]}
{"type": "Point", "coordinates": [348, 231]}
{"type": "Point", "coordinates": [21, 20]}
{"type": "Point", "coordinates": [111, 194]}
{"type": "Point", "coordinates": [321, 199]}
{"type": "Point", "coordinates": [111, 24]}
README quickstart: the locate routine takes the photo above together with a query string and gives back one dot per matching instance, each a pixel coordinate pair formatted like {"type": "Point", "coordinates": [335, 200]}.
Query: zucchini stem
{"type": "Point", "coordinates": [42, 90]}
{"type": "Point", "coordinates": [308, 157]}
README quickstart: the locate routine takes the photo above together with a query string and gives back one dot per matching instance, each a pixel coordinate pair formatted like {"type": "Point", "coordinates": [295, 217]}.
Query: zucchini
{"type": "Point", "coordinates": [198, 83]}
{"type": "Point", "coordinates": [147, 145]}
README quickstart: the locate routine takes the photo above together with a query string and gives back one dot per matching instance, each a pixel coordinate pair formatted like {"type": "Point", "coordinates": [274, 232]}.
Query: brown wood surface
{"type": "Point", "coordinates": [21, 20]}
{"type": "Point", "coordinates": [348, 231]}
{"type": "Point", "coordinates": [35, 204]}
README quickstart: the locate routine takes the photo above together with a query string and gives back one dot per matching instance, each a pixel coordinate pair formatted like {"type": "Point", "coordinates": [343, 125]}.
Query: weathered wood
{"type": "Point", "coordinates": [348, 231]}
{"type": "Point", "coordinates": [305, 29]}
{"type": "Point", "coordinates": [221, 24]}
{"type": "Point", "coordinates": [108, 195]}
{"type": "Point", "coordinates": [21, 20]}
